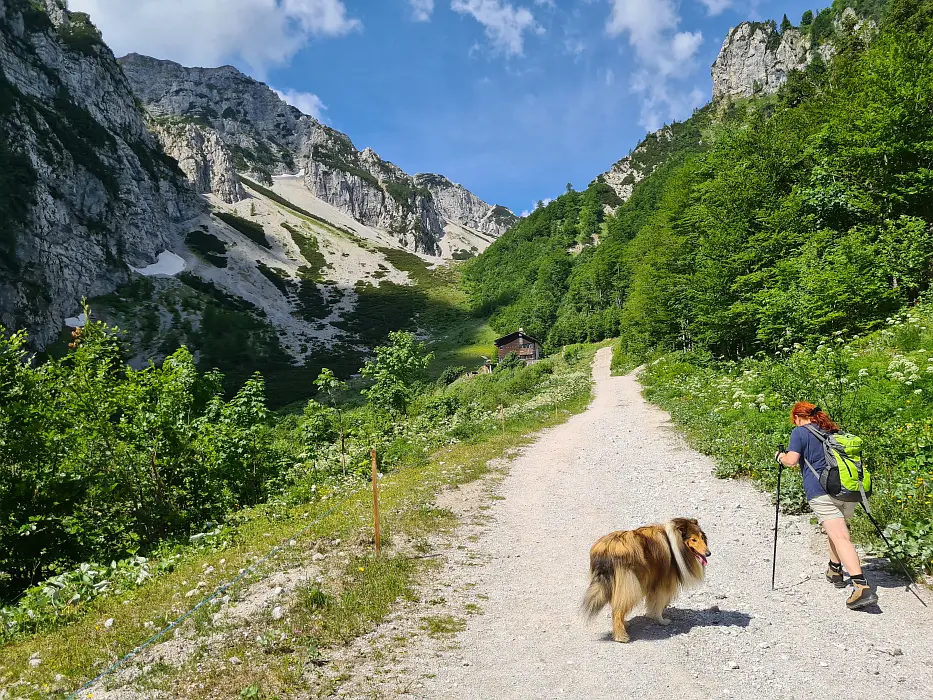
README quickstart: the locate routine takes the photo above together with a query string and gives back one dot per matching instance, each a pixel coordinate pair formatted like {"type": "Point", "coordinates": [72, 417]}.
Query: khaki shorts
{"type": "Point", "coordinates": [828, 508]}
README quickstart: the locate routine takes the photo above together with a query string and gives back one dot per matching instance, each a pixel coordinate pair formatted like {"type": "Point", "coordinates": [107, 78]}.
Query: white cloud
{"type": "Point", "coordinates": [306, 102]}
{"type": "Point", "coordinates": [610, 77]}
{"type": "Point", "coordinates": [261, 33]}
{"type": "Point", "coordinates": [504, 24]}
{"type": "Point", "coordinates": [574, 46]}
{"type": "Point", "coordinates": [663, 56]}
{"type": "Point", "coordinates": [685, 45]}
{"type": "Point", "coordinates": [716, 7]}
{"type": "Point", "coordinates": [422, 9]}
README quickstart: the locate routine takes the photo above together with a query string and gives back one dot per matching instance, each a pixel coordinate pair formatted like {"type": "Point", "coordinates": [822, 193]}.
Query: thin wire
{"type": "Point", "coordinates": [217, 592]}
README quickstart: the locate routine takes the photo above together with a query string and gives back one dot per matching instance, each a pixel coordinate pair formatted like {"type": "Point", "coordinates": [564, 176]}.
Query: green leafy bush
{"type": "Point", "coordinates": [100, 460]}
{"type": "Point", "coordinates": [207, 246]}
{"type": "Point", "coordinates": [879, 386]}
{"type": "Point", "coordinates": [250, 229]}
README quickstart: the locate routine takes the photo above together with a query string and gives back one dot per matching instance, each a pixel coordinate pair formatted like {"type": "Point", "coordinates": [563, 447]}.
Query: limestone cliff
{"type": "Point", "coordinates": [85, 190]}
{"type": "Point", "coordinates": [756, 58]}
{"type": "Point", "coordinates": [267, 137]}
{"type": "Point", "coordinates": [202, 157]}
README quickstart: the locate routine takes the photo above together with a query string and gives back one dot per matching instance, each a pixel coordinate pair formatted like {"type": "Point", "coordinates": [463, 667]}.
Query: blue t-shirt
{"type": "Point", "coordinates": [811, 449]}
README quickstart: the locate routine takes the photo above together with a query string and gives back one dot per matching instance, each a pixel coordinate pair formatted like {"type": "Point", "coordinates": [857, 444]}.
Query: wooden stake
{"type": "Point", "coordinates": [502, 417]}
{"type": "Point", "coordinates": [375, 499]}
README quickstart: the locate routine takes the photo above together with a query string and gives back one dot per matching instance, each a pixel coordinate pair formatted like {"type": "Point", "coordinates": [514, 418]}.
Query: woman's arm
{"type": "Point", "coordinates": [788, 459]}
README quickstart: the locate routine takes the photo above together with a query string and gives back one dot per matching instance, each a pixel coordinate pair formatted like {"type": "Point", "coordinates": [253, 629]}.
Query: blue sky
{"type": "Point", "coordinates": [511, 98]}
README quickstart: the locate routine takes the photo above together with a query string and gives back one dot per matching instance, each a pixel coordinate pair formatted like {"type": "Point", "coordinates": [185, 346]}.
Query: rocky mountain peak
{"type": "Point", "coordinates": [264, 137]}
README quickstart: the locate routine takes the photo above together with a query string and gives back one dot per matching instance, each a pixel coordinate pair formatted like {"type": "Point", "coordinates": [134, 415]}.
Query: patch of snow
{"type": "Point", "coordinates": [76, 321]}
{"type": "Point", "coordinates": [300, 173]}
{"type": "Point", "coordinates": [168, 265]}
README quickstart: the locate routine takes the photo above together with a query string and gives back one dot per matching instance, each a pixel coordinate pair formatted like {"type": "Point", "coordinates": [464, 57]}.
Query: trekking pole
{"type": "Point", "coordinates": [777, 513]}
{"type": "Point", "coordinates": [910, 579]}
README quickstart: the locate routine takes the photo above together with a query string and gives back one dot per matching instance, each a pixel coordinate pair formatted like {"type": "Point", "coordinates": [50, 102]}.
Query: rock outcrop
{"type": "Point", "coordinates": [457, 204]}
{"type": "Point", "coordinates": [202, 156]}
{"type": "Point", "coordinates": [756, 58]}
{"type": "Point", "coordinates": [85, 189]}
{"type": "Point", "coordinates": [266, 137]}
{"type": "Point", "coordinates": [629, 171]}
{"type": "Point", "coordinates": [654, 151]}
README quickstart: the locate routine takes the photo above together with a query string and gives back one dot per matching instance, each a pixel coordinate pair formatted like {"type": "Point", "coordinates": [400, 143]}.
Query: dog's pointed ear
{"type": "Point", "coordinates": [694, 521]}
{"type": "Point", "coordinates": [682, 528]}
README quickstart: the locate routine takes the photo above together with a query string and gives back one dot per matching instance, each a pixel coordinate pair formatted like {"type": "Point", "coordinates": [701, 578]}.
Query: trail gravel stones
{"type": "Point", "coordinates": [617, 466]}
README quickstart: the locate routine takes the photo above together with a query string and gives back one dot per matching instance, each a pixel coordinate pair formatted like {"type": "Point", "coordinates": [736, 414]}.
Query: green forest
{"type": "Point", "coordinates": [768, 221]}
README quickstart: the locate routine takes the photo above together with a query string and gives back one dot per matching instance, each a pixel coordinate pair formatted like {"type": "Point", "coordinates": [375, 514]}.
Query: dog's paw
{"type": "Point", "coordinates": [662, 621]}
{"type": "Point", "coordinates": [621, 638]}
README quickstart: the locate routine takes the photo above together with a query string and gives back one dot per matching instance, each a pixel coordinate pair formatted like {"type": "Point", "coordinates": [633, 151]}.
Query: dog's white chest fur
{"type": "Point", "coordinates": [687, 576]}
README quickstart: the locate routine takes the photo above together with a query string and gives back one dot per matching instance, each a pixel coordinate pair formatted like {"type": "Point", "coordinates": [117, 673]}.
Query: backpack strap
{"type": "Point", "coordinates": [819, 435]}
{"type": "Point", "coordinates": [810, 467]}
{"type": "Point", "coordinates": [816, 432]}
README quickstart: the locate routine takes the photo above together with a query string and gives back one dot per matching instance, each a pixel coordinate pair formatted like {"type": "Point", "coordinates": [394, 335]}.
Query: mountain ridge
{"type": "Point", "coordinates": [266, 137]}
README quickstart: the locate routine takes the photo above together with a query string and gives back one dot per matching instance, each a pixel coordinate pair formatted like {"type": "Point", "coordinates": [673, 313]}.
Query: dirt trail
{"type": "Point", "coordinates": [616, 466]}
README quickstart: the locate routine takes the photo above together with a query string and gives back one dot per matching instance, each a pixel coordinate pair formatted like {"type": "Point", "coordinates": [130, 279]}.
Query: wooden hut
{"type": "Point", "coordinates": [527, 348]}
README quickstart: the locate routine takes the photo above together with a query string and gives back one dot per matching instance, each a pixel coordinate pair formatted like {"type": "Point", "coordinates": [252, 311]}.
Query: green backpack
{"type": "Point", "coordinates": [844, 477]}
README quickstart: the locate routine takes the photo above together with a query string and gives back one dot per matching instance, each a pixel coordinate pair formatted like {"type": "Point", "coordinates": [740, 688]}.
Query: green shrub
{"type": "Point", "coordinates": [276, 275]}
{"type": "Point", "coordinates": [250, 229]}
{"type": "Point", "coordinates": [207, 246]}
{"type": "Point", "coordinates": [101, 461]}
{"type": "Point", "coordinates": [879, 387]}
{"type": "Point", "coordinates": [80, 34]}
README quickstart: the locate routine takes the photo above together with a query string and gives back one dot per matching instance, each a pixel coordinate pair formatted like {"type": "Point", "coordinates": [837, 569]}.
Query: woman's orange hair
{"type": "Point", "coordinates": [802, 409]}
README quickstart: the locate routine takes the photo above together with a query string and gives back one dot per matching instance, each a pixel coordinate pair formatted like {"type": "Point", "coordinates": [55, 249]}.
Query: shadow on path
{"type": "Point", "coordinates": [642, 628]}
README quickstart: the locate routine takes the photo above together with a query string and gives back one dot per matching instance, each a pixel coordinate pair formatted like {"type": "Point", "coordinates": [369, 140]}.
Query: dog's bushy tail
{"type": "Point", "coordinates": [599, 592]}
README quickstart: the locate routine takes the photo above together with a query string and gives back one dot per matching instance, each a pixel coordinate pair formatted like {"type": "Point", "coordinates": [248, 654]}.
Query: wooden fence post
{"type": "Point", "coordinates": [502, 417]}
{"type": "Point", "coordinates": [375, 499]}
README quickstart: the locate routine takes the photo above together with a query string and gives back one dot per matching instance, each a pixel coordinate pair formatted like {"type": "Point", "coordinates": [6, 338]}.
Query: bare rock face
{"type": "Point", "coordinates": [202, 157]}
{"type": "Point", "coordinates": [639, 164]}
{"type": "Point", "coordinates": [266, 137]}
{"type": "Point", "coordinates": [88, 191]}
{"type": "Point", "coordinates": [756, 59]}
{"type": "Point", "coordinates": [457, 204]}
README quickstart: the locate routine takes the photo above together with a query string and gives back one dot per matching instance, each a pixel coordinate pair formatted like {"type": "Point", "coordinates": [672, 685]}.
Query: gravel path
{"type": "Point", "coordinates": [617, 466]}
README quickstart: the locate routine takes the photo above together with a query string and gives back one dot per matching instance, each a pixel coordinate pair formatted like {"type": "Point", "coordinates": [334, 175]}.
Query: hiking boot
{"type": "Point", "coordinates": [861, 596]}
{"type": "Point", "coordinates": [835, 578]}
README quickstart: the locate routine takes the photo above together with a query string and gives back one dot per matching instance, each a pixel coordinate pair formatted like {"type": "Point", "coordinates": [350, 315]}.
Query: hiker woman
{"type": "Point", "coordinates": [805, 447]}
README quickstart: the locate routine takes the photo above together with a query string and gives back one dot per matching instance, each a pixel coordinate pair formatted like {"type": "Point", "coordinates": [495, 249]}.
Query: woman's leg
{"type": "Point", "coordinates": [833, 554]}
{"type": "Point", "coordinates": [841, 546]}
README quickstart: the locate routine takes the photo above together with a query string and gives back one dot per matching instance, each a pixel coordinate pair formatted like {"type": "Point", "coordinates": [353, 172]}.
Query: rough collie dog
{"type": "Point", "coordinates": [654, 562]}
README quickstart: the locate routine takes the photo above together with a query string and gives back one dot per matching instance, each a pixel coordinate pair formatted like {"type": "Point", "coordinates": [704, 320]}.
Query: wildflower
{"type": "Point", "coordinates": [918, 391]}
